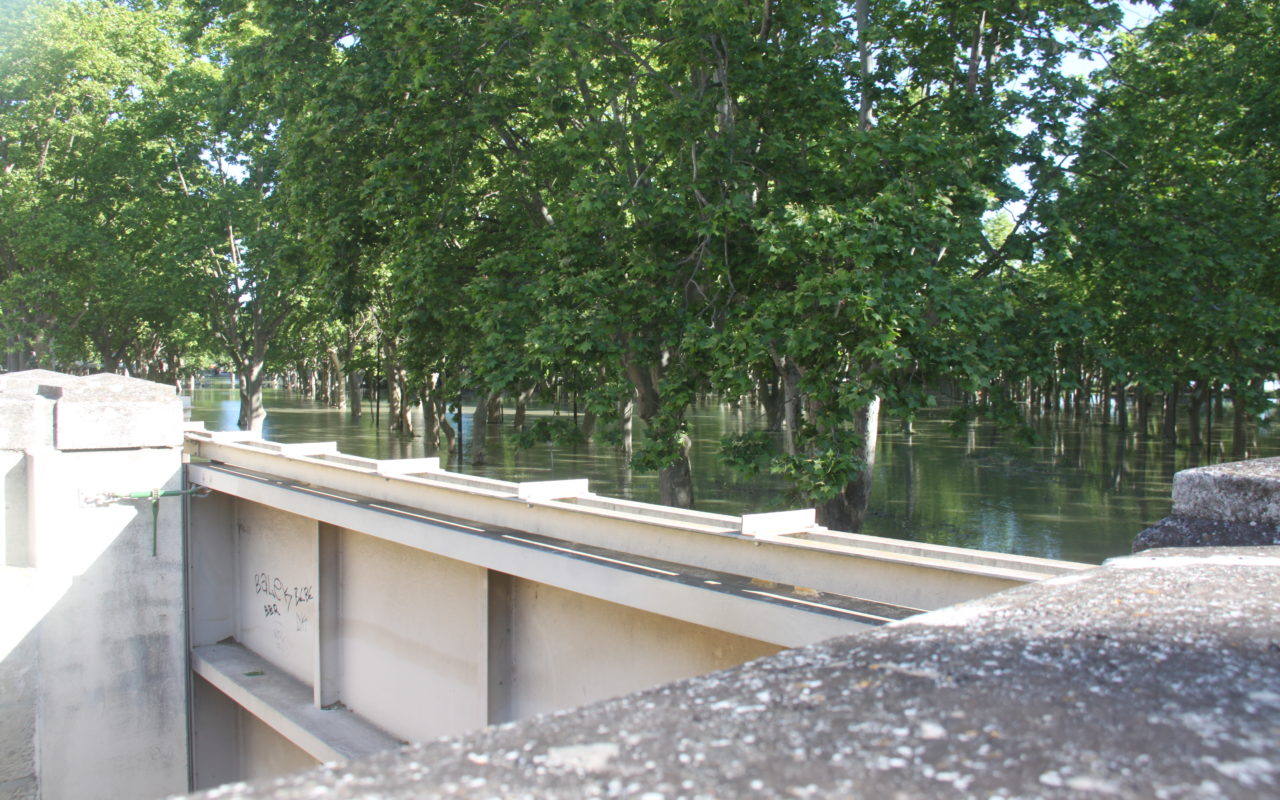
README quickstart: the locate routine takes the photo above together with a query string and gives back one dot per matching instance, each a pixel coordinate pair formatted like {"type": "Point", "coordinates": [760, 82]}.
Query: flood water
{"type": "Point", "coordinates": [1080, 493]}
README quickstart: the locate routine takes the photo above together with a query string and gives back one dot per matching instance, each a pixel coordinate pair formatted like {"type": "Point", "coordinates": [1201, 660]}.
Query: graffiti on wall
{"type": "Point", "coordinates": [282, 599]}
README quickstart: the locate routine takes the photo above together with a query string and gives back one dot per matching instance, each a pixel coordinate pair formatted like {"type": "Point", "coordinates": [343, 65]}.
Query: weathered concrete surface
{"type": "Point", "coordinates": [1242, 491]}
{"type": "Point", "coordinates": [1152, 676]}
{"type": "Point", "coordinates": [105, 411]}
{"type": "Point", "coordinates": [92, 646]}
{"type": "Point", "coordinates": [1223, 505]}
{"type": "Point", "coordinates": [1177, 530]}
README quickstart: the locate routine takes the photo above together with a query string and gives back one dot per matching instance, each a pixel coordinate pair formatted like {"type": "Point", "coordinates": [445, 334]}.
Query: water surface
{"type": "Point", "coordinates": [1081, 492]}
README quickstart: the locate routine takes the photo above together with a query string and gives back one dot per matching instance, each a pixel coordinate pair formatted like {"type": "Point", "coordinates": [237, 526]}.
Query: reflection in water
{"type": "Point", "coordinates": [1081, 493]}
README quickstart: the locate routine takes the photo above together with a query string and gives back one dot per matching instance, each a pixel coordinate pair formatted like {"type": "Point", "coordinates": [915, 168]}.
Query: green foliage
{"type": "Point", "coordinates": [87, 170]}
{"type": "Point", "coordinates": [748, 453]}
{"type": "Point", "coordinates": [638, 201]}
{"type": "Point", "coordinates": [549, 430]}
{"type": "Point", "coordinates": [1171, 223]}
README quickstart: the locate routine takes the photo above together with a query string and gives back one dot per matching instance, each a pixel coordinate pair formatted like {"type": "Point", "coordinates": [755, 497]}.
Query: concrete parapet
{"type": "Point", "coordinates": [1223, 505]}
{"type": "Point", "coordinates": [1152, 676]}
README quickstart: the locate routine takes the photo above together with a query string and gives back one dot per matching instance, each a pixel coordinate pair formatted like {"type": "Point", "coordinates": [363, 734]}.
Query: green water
{"type": "Point", "coordinates": [1080, 493]}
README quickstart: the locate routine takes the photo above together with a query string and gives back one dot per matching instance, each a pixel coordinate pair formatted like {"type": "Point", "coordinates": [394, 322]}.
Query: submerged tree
{"type": "Point", "coordinates": [87, 175]}
{"type": "Point", "coordinates": [137, 202]}
{"type": "Point", "coordinates": [879, 278]}
{"type": "Point", "coordinates": [1174, 212]}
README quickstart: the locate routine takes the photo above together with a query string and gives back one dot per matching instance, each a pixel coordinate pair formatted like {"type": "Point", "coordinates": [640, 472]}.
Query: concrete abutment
{"type": "Point", "coordinates": [93, 654]}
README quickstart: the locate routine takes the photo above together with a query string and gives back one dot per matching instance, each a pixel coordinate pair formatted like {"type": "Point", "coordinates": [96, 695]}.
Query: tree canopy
{"type": "Point", "coordinates": [834, 207]}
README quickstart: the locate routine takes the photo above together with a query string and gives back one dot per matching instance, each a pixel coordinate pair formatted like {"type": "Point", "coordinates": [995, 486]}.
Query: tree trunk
{"type": "Point", "coordinates": [1144, 410]}
{"type": "Point", "coordinates": [770, 393]}
{"type": "Point", "coordinates": [1209, 414]}
{"type": "Point", "coordinates": [588, 424]}
{"type": "Point", "coordinates": [250, 366]}
{"type": "Point", "coordinates": [626, 413]}
{"type": "Point", "coordinates": [1199, 392]}
{"type": "Point", "coordinates": [355, 392]}
{"type": "Point", "coordinates": [522, 406]}
{"type": "Point", "coordinates": [252, 413]}
{"type": "Point", "coordinates": [446, 427]}
{"type": "Point", "coordinates": [790, 377]}
{"type": "Point", "coordinates": [865, 114]}
{"type": "Point", "coordinates": [403, 421]}
{"type": "Point", "coordinates": [675, 482]}
{"type": "Point", "coordinates": [337, 390]}
{"type": "Point", "coordinates": [398, 406]}
{"type": "Point", "coordinates": [848, 510]}
{"type": "Point", "coordinates": [1239, 421]}
{"type": "Point", "coordinates": [1170, 427]}
{"type": "Point", "coordinates": [479, 429]}
{"type": "Point", "coordinates": [394, 395]}
{"type": "Point", "coordinates": [431, 421]}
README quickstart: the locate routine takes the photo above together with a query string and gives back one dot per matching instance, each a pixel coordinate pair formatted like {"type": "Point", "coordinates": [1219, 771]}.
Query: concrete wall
{"type": "Point", "coordinates": [415, 646]}
{"type": "Point", "coordinates": [414, 643]}
{"type": "Point", "coordinates": [276, 563]}
{"type": "Point", "coordinates": [1153, 676]}
{"type": "Point", "coordinates": [232, 744]}
{"type": "Point", "coordinates": [92, 656]}
{"type": "Point", "coordinates": [564, 649]}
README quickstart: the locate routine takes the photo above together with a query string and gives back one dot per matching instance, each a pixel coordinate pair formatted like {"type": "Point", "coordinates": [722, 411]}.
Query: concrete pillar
{"type": "Point", "coordinates": [1223, 505]}
{"type": "Point", "coordinates": [93, 678]}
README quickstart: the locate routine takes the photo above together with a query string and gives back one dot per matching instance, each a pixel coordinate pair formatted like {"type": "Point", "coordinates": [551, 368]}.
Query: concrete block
{"type": "Point", "coordinates": [13, 508]}
{"type": "Point", "coordinates": [407, 466]}
{"type": "Point", "coordinates": [92, 655]}
{"type": "Point", "coordinates": [17, 741]}
{"type": "Point", "coordinates": [25, 421]}
{"type": "Point", "coordinates": [98, 412]}
{"type": "Point", "coordinates": [1182, 531]}
{"type": "Point", "coordinates": [1242, 491]}
{"type": "Point", "coordinates": [105, 386]}
{"type": "Point", "coordinates": [28, 382]}
{"type": "Point", "coordinates": [118, 424]}
{"type": "Point", "coordinates": [17, 668]}
{"type": "Point", "coordinates": [776, 523]}
{"type": "Point", "coordinates": [552, 490]}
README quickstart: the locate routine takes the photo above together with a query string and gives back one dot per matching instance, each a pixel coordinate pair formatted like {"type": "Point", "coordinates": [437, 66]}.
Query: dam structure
{"type": "Point", "coordinates": [195, 610]}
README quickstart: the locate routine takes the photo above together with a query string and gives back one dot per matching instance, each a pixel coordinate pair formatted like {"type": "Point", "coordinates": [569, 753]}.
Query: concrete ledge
{"type": "Point", "coordinates": [286, 704]}
{"type": "Point", "coordinates": [1152, 676]}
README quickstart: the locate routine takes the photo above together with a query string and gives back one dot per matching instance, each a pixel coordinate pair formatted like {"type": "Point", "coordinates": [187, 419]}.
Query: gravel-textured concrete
{"type": "Point", "coordinates": [1223, 505]}
{"type": "Point", "coordinates": [1153, 676]}
{"type": "Point", "coordinates": [1181, 531]}
{"type": "Point", "coordinates": [1241, 491]}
